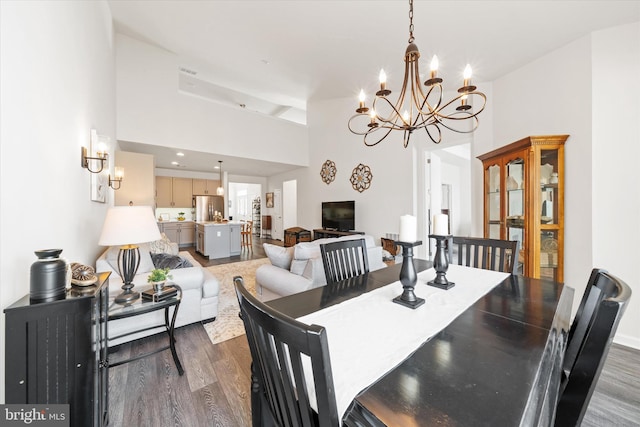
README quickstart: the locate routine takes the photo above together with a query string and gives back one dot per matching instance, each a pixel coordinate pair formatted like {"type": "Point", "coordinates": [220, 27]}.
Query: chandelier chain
{"type": "Point", "coordinates": [411, 22]}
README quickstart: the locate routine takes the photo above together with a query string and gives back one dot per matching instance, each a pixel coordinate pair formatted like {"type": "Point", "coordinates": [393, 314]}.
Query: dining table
{"type": "Point", "coordinates": [487, 352]}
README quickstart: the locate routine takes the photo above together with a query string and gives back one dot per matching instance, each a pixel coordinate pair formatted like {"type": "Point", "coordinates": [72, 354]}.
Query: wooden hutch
{"type": "Point", "coordinates": [524, 200]}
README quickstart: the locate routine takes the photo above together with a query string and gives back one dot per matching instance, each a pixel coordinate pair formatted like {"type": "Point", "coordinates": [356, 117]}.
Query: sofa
{"type": "Point", "coordinates": [299, 268]}
{"type": "Point", "coordinates": [200, 291]}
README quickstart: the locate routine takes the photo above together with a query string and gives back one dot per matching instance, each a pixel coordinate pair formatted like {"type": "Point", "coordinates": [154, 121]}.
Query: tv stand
{"type": "Point", "coordinates": [322, 233]}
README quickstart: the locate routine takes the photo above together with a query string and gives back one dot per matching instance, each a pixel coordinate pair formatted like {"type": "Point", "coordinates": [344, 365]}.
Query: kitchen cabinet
{"type": "Point", "coordinates": [204, 187]}
{"type": "Point", "coordinates": [235, 243]}
{"type": "Point", "coordinates": [56, 353]}
{"type": "Point", "coordinates": [183, 232]}
{"type": "Point", "coordinates": [524, 200]}
{"type": "Point", "coordinates": [173, 192]}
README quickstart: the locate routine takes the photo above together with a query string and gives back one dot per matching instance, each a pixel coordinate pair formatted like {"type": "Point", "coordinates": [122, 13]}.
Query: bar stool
{"type": "Point", "coordinates": [247, 234]}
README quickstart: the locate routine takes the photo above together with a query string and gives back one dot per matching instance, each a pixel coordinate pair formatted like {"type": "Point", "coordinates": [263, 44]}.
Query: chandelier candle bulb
{"type": "Point", "coordinates": [441, 225]}
{"type": "Point", "coordinates": [408, 228]}
{"type": "Point", "coordinates": [467, 76]}
{"type": "Point", "coordinates": [361, 98]}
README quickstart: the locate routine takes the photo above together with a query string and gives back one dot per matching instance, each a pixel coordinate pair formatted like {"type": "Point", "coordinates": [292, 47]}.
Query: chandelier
{"type": "Point", "coordinates": [421, 108]}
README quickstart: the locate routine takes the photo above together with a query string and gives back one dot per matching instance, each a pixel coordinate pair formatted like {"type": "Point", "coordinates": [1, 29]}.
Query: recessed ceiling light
{"type": "Point", "coordinates": [216, 167]}
{"type": "Point", "coordinates": [175, 163]}
{"type": "Point", "coordinates": [180, 154]}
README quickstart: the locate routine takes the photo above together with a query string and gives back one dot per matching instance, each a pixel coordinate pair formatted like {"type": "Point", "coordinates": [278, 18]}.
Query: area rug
{"type": "Point", "coordinates": [227, 324]}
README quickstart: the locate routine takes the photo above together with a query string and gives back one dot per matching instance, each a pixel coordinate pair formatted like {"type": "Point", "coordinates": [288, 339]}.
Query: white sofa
{"type": "Point", "coordinates": [199, 294]}
{"type": "Point", "coordinates": [299, 268]}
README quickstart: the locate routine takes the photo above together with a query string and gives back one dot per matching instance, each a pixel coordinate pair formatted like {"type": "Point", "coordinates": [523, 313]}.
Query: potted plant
{"type": "Point", "coordinates": [181, 216]}
{"type": "Point", "coordinates": [158, 277]}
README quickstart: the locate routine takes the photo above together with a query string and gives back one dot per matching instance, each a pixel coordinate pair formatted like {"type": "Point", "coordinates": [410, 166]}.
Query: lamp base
{"type": "Point", "coordinates": [128, 262]}
{"type": "Point", "coordinates": [126, 297]}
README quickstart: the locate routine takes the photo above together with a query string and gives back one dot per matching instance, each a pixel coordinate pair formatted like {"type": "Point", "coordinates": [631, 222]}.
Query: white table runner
{"type": "Point", "coordinates": [369, 335]}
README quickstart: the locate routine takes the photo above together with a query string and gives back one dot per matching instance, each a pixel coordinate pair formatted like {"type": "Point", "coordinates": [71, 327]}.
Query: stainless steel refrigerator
{"type": "Point", "coordinates": [206, 206]}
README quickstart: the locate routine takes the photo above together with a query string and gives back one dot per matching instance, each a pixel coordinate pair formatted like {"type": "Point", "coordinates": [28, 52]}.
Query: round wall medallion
{"type": "Point", "coordinates": [361, 177]}
{"type": "Point", "coordinates": [328, 172]}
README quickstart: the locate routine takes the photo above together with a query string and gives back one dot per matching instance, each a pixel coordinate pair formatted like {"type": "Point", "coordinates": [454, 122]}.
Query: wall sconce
{"type": "Point", "coordinates": [101, 153]}
{"type": "Point", "coordinates": [116, 182]}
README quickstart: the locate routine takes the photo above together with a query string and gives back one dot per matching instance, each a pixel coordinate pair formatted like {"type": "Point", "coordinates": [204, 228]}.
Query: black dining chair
{"type": "Point", "coordinates": [344, 259]}
{"type": "Point", "coordinates": [594, 326]}
{"type": "Point", "coordinates": [488, 254]}
{"type": "Point", "coordinates": [278, 346]}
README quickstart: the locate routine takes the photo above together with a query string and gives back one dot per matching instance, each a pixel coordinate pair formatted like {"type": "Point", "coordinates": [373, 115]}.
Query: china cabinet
{"type": "Point", "coordinates": [524, 200]}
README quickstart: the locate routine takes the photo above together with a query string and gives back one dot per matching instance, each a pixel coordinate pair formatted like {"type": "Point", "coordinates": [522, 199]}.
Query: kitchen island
{"type": "Point", "coordinates": [218, 239]}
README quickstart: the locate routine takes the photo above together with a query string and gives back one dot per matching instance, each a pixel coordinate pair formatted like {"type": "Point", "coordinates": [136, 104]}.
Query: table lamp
{"type": "Point", "coordinates": [127, 226]}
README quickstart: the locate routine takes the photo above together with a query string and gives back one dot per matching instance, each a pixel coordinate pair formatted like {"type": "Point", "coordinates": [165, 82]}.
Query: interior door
{"type": "Point", "coordinates": [276, 223]}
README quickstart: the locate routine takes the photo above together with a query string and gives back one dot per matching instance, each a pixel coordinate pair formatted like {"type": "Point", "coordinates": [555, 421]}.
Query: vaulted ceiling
{"type": "Point", "coordinates": [275, 56]}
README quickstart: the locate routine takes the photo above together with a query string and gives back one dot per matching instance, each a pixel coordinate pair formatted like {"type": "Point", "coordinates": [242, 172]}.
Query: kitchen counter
{"type": "Point", "coordinates": [218, 239]}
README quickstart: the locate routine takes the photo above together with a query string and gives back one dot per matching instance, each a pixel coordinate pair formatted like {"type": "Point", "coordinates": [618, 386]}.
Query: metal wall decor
{"type": "Point", "coordinates": [361, 178]}
{"type": "Point", "coordinates": [328, 172]}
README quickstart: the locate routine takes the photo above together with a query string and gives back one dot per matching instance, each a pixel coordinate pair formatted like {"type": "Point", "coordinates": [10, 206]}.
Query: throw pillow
{"type": "Point", "coordinates": [314, 271]}
{"type": "Point", "coordinates": [298, 266]}
{"type": "Point", "coordinates": [161, 246]}
{"type": "Point", "coordinates": [171, 262]}
{"type": "Point", "coordinates": [278, 255]}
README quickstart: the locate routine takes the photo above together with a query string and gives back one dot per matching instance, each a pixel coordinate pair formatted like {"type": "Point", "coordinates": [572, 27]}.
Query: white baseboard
{"type": "Point", "coordinates": [627, 341]}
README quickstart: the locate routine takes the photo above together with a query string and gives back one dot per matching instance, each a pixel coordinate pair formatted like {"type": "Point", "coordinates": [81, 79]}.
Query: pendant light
{"type": "Point", "coordinates": [220, 189]}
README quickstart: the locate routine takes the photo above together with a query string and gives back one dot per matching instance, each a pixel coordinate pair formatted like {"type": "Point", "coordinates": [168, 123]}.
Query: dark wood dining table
{"type": "Point", "coordinates": [497, 364]}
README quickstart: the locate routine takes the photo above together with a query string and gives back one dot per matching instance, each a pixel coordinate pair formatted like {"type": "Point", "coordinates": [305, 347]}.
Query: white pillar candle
{"type": "Point", "coordinates": [441, 225]}
{"type": "Point", "coordinates": [408, 228]}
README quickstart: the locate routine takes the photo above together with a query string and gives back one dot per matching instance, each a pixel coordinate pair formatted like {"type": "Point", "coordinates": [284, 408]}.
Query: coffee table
{"type": "Point", "coordinates": [140, 306]}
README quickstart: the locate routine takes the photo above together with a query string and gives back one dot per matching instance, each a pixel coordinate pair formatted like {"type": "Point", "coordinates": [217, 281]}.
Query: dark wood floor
{"type": "Point", "coordinates": [257, 251]}
{"type": "Point", "coordinates": [214, 390]}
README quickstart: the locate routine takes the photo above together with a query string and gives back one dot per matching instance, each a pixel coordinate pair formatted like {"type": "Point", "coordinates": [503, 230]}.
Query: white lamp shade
{"type": "Point", "coordinates": [128, 225]}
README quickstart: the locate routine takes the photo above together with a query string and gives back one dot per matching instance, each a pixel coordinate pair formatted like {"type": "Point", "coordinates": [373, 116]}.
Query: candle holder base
{"type": "Point", "coordinates": [446, 286]}
{"type": "Point", "coordinates": [417, 302]}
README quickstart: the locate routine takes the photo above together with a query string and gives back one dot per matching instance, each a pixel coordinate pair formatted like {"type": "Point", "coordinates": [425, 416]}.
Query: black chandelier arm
{"type": "Point", "coordinates": [458, 98]}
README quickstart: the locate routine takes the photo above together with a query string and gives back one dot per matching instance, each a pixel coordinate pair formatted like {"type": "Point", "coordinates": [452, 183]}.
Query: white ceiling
{"type": "Point", "coordinates": [274, 56]}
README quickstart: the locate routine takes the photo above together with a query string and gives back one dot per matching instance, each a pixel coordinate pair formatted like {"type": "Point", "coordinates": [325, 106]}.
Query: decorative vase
{"type": "Point", "coordinates": [157, 286]}
{"type": "Point", "coordinates": [48, 279]}
{"type": "Point", "coordinates": [554, 178]}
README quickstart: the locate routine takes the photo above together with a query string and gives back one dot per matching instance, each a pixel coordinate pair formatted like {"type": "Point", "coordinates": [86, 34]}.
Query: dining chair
{"type": "Point", "coordinates": [344, 259]}
{"type": "Point", "coordinates": [488, 254]}
{"type": "Point", "coordinates": [282, 349]}
{"type": "Point", "coordinates": [247, 234]}
{"type": "Point", "coordinates": [594, 326]}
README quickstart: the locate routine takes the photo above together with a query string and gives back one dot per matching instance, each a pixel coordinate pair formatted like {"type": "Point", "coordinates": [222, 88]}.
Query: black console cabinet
{"type": "Point", "coordinates": [322, 233]}
{"type": "Point", "coordinates": [56, 353]}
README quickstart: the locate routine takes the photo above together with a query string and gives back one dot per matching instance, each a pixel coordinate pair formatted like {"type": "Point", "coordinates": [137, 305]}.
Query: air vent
{"type": "Point", "coordinates": [188, 71]}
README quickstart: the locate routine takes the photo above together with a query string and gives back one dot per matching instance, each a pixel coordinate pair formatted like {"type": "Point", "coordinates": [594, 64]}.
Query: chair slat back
{"type": "Point", "coordinates": [488, 254]}
{"type": "Point", "coordinates": [278, 346]}
{"type": "Point", "coordinates": [603, 304]}
{"type": "Point", "coordinates": [344, 259]}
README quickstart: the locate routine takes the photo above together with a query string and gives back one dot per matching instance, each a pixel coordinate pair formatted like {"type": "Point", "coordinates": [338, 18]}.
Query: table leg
{"type": "Point", "coordinates": [172, 340]}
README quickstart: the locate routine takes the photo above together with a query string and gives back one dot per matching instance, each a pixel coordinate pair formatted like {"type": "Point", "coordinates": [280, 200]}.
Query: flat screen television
{"type": "Point", "coordinates": [339, 216]}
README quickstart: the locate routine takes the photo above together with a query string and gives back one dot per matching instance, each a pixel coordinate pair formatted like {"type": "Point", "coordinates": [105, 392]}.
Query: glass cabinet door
{"type": "Point", "coordinates": [549, 214]}
{"type": "Point", "coordinates": [515, 203]}
{"type": "Point", "coordinates": [493, 202]}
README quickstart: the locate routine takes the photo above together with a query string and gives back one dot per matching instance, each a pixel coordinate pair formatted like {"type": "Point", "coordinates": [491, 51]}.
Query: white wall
{"type": "Point", "coordinates": [151, 110]}
{"type": "Point", "coordinates": [616, 150]}
{"type": "Point", "coordinates": [379, 208]}
{"type": "Point", "coordinates": [575, 90]}
{"type": "Point", "coordinates": [56, 83]}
